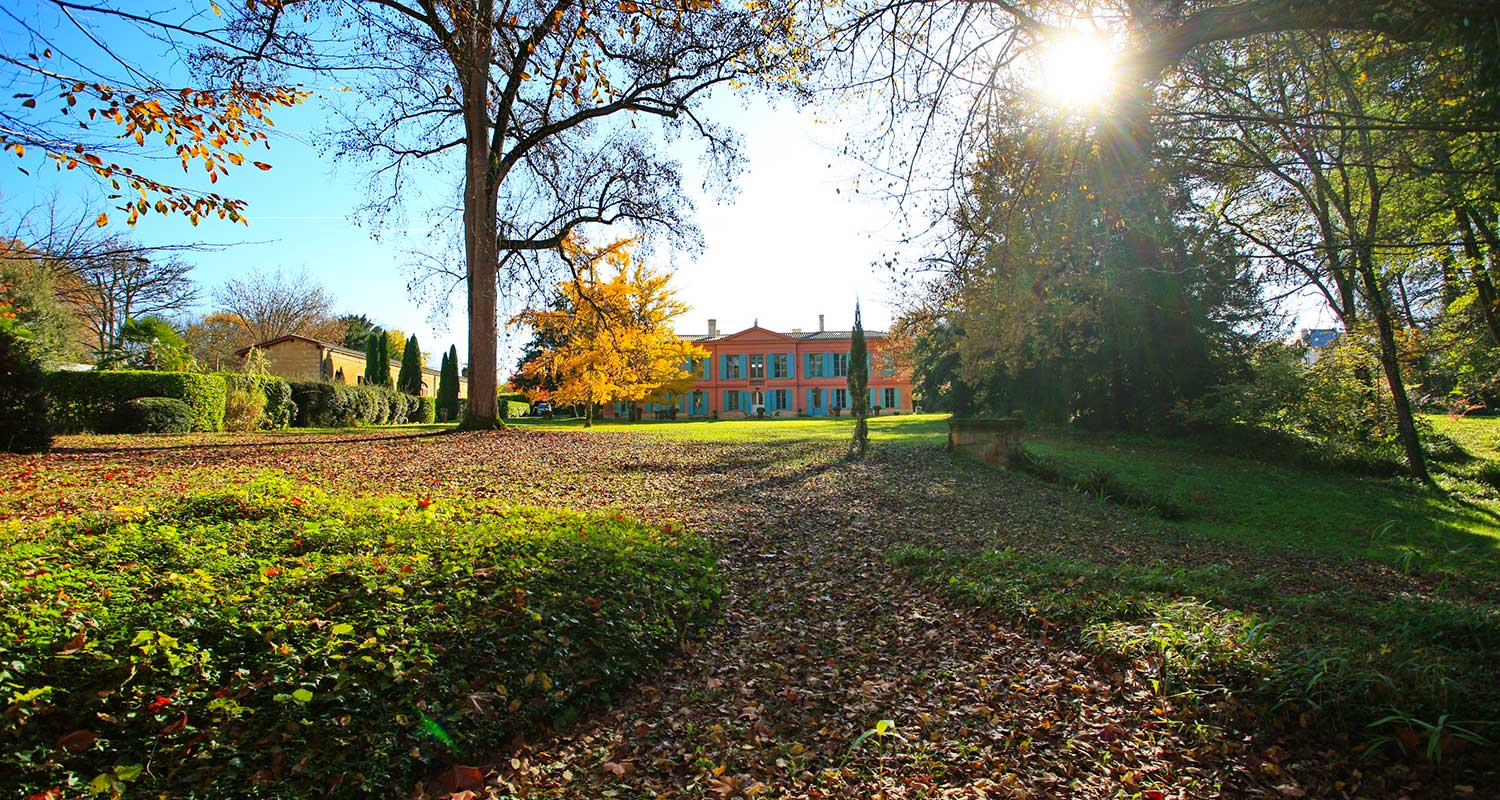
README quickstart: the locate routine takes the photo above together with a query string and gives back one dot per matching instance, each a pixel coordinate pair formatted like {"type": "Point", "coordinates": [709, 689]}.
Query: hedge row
{"type": "Point", "coordinates": [271, 642]}
{"type": "Point", "coordinates": [100, 401]}
{"type": "Point", "coordinates": [97, 401]}
{"type": "Point", "coordinates": [334, 405]}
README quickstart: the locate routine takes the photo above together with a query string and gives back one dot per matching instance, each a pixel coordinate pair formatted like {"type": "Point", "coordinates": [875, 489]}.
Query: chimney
{"type": "Point", "coordinates": [713, 328]}
{"type": "Point", "coordinates": [796, 330]}
{"type": "Point", "coordinates": [820, 323]}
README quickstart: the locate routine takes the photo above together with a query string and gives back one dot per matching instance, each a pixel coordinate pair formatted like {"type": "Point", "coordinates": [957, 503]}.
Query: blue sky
{"type": "Point", "coordinates": [792, 243]}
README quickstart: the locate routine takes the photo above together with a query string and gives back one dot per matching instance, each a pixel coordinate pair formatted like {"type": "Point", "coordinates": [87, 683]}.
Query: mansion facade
{"type": "Point", "coordinates": [759, 371]}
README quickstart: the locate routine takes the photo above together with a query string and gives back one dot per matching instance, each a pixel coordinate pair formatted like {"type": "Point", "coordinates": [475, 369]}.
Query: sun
{"type": "Point", "coordinates": [1078, 70]}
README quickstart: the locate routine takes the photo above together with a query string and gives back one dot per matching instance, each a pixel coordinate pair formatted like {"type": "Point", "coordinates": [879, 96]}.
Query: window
{"type": "Point", "coordinates": [816, 398]}
{"type": "Point", "coordinates": [840, 366]}
{"type": "Point", "coordinates": [779, 364]}
{"type": "Point", "coordinates": [731, 368]}
{"type": "Point", "coordinates": [757, 366]}
{"type": "Point", "coordinates": [815, 365]}
{"type": "Point", "coordinates": [698, 367]}
{"type": "Point", "coordinates": [697, 402]}
{"type": "Point", "coordinates": [781, 399]}
{"type": "Point", "coordinates": [840, 398]}
{"type": "Point", "coordinates": [887, 366]}
{"type": "Point", "coordinates": [890, 399]}
{"type": "Point", "coordinates": [731, 401]}
{"type": "Point", "coordinates": [757, 398]}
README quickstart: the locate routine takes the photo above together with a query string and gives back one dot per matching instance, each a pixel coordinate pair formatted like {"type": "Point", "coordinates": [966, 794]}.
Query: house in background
{"type": "Point", "coordinates": [298, 358]}
{"type": "Point", "coordinates": [1315, 339]}
{"type": "Point", "coordinates": [784, 374]}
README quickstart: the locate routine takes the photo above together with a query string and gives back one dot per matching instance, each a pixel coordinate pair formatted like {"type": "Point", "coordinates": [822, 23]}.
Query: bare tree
{"type": "Point", "coordinates": [559, 111]}
{"type": "Point", "coordinates": [106, 280]}
{"type": "Point", "coordinates": [275, 304]}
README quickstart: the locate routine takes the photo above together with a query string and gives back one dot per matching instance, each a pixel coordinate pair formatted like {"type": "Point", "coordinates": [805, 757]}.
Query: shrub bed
{"type": "Point", "coordinates": [92, 402]}
{"type": "Point", "coordinates": [272, 642]}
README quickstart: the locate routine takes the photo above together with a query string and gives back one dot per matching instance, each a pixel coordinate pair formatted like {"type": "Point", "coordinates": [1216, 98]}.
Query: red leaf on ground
{"type": "Point", "coordinates": [77, 741]}
{"type": "Point", "coordinates": [461, 777]}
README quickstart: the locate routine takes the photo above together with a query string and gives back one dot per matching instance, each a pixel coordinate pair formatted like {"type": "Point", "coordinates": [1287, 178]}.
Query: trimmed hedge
{"type": "Point", "coordinates": [155, 415]}
{"type": "Point", "coordinates": [426, 412]}
{"type": "Point", "coordinates": [335, 405]}
{"type": "Point", "coordinates": [93, 401]}
{"type": "Point", "coordinates": [512, 405]}
{"type": "Point", "coordinates": [271, 642]}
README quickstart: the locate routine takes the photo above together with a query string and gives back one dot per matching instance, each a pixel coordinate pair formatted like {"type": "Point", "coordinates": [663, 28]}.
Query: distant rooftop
{"type": "Point", "coordinates": [806, 336]}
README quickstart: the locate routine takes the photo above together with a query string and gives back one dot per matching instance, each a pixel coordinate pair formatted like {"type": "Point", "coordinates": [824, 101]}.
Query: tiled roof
{"type": "Point", "coordinates": [813, 336]}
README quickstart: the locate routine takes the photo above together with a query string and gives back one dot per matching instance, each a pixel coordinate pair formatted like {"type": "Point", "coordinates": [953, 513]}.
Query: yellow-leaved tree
{"type": "Point", "coordinates": [612, 329]}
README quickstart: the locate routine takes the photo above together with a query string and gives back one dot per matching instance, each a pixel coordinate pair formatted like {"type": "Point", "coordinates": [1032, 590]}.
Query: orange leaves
{"type": "Point", "coordinates": [102, 220]}
{"type": "Point", "coordinates": [204, 125]}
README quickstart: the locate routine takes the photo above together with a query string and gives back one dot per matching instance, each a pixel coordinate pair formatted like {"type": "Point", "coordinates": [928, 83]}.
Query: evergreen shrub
{"type": "Point", "coordinates": [23, 398]}
{"type": "Point", "coordinates": [155, 415]}
{"type": "Point", "coordinates": [93, 401]}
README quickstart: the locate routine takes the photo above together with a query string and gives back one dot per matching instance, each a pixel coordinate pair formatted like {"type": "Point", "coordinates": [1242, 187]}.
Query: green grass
{"type": "Point", "coordinates": [272, 641]}
{"type": "Point", "coordinates": [1319, 512]}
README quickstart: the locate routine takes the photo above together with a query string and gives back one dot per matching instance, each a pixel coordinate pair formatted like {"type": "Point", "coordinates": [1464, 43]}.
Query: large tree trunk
{"type": "Point", "coordinates": [480, 219]}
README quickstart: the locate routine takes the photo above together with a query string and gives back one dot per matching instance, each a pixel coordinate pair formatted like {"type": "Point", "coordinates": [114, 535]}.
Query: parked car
{"type": "Point", "coordinates": [541, 408]}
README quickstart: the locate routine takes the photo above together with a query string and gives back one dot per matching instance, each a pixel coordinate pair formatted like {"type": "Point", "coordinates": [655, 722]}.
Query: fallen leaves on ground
{"type": "Point", "coordinates": [832, 676]}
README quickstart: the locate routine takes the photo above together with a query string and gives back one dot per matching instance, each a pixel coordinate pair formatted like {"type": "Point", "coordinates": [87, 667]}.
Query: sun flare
{"type": "Point", "coordinates": [1078, 70]}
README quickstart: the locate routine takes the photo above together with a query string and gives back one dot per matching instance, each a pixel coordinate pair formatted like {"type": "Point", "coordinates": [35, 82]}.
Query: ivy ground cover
{"type": "Point", "coordinates": [844, 662]}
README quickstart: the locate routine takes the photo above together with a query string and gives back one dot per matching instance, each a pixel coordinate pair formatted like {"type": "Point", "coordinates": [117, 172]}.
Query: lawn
{"type": "Point", "coordinates": [907, 626]}
{"type": "Point", "coordinates": [1310, 511]}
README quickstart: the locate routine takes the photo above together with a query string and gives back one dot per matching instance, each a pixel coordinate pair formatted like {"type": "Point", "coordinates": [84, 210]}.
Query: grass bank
{"type": "Point", "coordinates": [272, 641]}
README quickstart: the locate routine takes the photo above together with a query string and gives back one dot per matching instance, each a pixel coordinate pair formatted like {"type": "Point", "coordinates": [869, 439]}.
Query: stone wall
{"type": "Point", "coordinates": [995, 441]}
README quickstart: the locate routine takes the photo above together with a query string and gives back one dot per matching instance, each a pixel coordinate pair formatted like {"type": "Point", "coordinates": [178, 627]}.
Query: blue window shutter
{"type": "Point", "coordinates": [827, 365]}
{"type": "Point", "coordinates": [807, 365]}
{"type": "Point", "coordinates": [897, 398]}
{"type": "Point", "coordinates": [744, 400]}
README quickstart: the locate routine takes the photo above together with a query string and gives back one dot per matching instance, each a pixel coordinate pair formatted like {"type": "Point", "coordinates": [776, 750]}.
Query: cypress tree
{"type": "Point", "coordinates": [372, 356]}
{"type": "Point", "coordinates": [448, 399]}
{"type": "Point", "coordinates": [383, 368]}
{"type": "Point", "coordinates": [859, 386]}
{"type": "Point", "coordinates": [440, 397]}
{"type": "Point", "coordinates": [410, 379]}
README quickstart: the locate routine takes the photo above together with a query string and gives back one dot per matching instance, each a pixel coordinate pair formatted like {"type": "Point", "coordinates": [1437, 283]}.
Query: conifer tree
{"type": "Point", "coordinates": [410, 378]}
{"type": "Point", "coordinates": [383, 364]}
{"type": "Point", "coordinates": [859, 386]}
{"type": "Point", "coordinates": [440, 396]}
{"type": "Point", "coordinates": [372, 354]}
{"type": "Point", "coordinates": [448, 394]}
